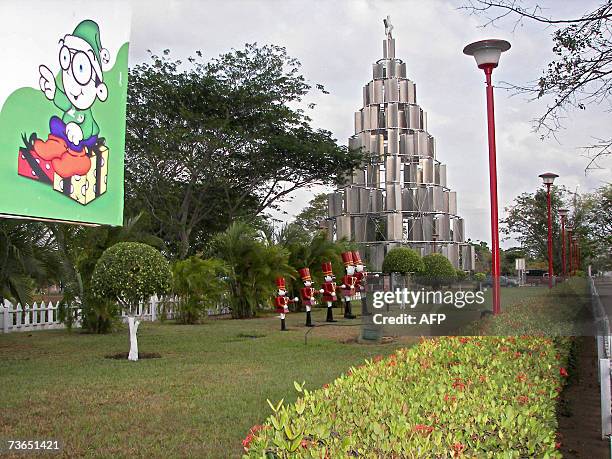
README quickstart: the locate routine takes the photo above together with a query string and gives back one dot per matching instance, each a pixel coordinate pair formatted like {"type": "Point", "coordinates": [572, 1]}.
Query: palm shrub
{"type": "Point", "coordinates": [437, 270]}
{"type": "Point", "coordinates": [130, 273]}
{"type": "Point", "coordinates": [307, 250]}
{"type": "Point", "coordinates": [199, 284]}
{"type": "Point", "coordinates": [253, 263]}
{"type": "Point", "coordinates": [402, 260]}
{"type": "Point", "coordinates": [27, 257]}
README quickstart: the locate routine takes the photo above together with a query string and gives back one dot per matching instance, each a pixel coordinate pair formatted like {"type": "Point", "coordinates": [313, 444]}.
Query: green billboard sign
{"type": "Point", "coordinates": [62, 118]}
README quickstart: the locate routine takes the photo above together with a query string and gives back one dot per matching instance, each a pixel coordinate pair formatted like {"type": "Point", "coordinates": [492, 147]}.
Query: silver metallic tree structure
{"type": "Point", "coordinates": [401, 197]}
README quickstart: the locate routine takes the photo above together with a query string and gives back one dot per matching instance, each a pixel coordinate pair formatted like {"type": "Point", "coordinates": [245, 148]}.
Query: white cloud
{"type": "Point", "coordinates": [338, 41]}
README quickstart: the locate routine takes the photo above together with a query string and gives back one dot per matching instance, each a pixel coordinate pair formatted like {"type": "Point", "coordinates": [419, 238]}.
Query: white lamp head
{"type": "Point", "coordinates": [563, 212]}
{"type": "Point", "coordinates": [548, 178]}
{"type": "Point", "coordinates": [486, 52]}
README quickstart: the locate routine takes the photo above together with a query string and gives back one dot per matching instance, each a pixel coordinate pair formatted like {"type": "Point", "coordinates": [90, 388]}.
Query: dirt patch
{"type": "Point", "coordinates": [579, 411]}
{"type": "Point", "coordinates": [141, 356]}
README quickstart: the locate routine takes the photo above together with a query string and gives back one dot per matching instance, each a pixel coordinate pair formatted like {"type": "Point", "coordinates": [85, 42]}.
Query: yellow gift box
{"type": "Point", "coordinates": [85, 188]}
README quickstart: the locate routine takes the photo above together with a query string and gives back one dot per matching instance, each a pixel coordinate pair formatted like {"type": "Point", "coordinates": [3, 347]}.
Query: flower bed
{"type": "Point", "coordinates": [447, 397]}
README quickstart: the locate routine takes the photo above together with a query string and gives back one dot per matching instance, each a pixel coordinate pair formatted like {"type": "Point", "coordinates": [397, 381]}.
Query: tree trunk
{"type": "Point", "coordinates": [133, 326]}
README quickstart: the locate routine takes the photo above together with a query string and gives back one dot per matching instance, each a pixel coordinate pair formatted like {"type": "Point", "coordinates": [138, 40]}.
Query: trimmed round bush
{"type": "Point", "coordinates": [437, 270]}
{"type": "Point", "coordinates": [402, 260]}
{"type": "Point", "coordinates": [460, 275]}
{"type": "Point", "coordinates": [130, 272]}
{"type": "Point", "coordinates": [480, 277]}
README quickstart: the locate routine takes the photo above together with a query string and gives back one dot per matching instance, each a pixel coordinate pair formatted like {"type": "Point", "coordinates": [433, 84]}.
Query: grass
{"type": "Point", "coordinates": [198, 400]}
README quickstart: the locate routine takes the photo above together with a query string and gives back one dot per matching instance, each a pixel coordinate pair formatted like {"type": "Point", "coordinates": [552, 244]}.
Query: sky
{"type": "Point", "coordinates": [337, 42]}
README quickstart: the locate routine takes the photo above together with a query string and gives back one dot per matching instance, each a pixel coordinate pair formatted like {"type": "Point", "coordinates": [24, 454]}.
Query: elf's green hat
{"type": "Point", "coordinates": [86, 37]}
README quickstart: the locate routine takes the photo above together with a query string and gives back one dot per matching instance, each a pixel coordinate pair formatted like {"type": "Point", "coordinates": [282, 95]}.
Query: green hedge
{"type": "Point", "coordinates": [446, 397]}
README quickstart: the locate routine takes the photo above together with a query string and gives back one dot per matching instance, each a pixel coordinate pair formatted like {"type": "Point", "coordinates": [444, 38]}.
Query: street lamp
{"type": "Point", "coordinates": [563, 214]}
{"type": "Point", "coordinates": [548, 178]}
{"type": "Point", "coordinates": [577, 252]}
{"type": "Point", "coordinates": [487, 54]}
{"type": "Point", "coordinates": [569, 229]}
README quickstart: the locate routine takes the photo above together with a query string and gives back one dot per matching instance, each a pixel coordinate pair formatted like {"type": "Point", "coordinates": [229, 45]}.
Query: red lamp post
{"type": "Point", "coordinates": [548, 178]}
{"type": "Point", "coordinates": [569, 229]}
{"type": "Point", "coordinates": [563, 214]}
{"type": "Point", "coordinates": [577, 266]}
{"type": "Point", "coordinates": [487, 54]}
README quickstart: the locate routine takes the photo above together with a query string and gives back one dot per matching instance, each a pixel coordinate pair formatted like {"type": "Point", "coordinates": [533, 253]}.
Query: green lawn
{"type": "Point", "coordinates": [198, 400]}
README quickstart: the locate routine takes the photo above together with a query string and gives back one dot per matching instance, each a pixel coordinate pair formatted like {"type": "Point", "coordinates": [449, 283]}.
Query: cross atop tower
{"type": "Point", "coordinates": [388, 27]}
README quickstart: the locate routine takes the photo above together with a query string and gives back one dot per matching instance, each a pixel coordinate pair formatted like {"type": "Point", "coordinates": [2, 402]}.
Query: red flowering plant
{"type": "Point", "coordinates": [476, 403]}
{"type": "Point", "coordinates": [482, 396]}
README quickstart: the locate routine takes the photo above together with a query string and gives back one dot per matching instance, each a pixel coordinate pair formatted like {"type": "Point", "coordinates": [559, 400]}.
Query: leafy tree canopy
{"type": "Point", "coordinates": [131, 272]}
{"type": "Point", "coordinates": [402, 260]}
{"type": "Point", "coordinates": [212, 141]}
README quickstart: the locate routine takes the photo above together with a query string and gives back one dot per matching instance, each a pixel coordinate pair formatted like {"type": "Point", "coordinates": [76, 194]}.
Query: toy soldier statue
{"type": "Point", "coordinates": [348, 284]}
{"type": "Point", "coordinates": [281, 301]}
{"type": "Point", "coordinates": [329, 290]}
{"type": "Point", "coordinates": [360, 285]}
{"type": "Point", "coordinates": [307, 293]}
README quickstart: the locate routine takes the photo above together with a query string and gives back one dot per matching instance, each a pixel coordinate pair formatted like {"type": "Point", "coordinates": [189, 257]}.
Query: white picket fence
{"type": "Point", "coordinates": [43, 316]}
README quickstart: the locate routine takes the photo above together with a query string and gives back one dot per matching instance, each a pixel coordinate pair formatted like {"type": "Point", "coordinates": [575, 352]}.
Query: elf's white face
{"type": "Point", "coordinates": [328, 278]}
{"type": "Point", "coordinates": [81, 84]}
{"type": "Point", "coordinates": [350, 270]}
{"type": "Point", "coordinates": [359, 268]}
{"type": "Point", "coordinates": [307, 283]}
{"type": "Point", "coordinates": [281, 292]}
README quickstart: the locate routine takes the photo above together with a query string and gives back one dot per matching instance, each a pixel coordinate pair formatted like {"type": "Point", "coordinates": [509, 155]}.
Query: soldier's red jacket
{"type": "Point", "coordinates": [360, 276]}
{"type": "Point", "coordinates": [307, 294]}
{"type": "Point", "coordinates": [329, 291]}
{"type": "Point", "coordinates": [282, 304]}
{"type": "Point", "coordinates": [349, 285]}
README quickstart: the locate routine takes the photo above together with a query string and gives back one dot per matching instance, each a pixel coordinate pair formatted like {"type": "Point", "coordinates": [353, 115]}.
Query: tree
{"type": "Point", "coordinates": [437, 270]}
{"type": "Point", "coordinates": [596, 228]}
{"type": "Point", "coordinates": [580, 74]}
{"type": "Point", "coordinates": [402, 260]}
{"type": "Point", "coordinates": [216, 141]}
{"type": "Point", "coordinates": [79, 249]}
{"type": "Point", "coordinates": [480, 278]}
{"type": "Point", "coordinates": [26, 255]}
{"type": "Point", "coordinates": [130, 273]}
{"type": "Point", "coordinates": [527, 222]}
{"type": "Point", "coordinates": [199, 284]}
{"type": "Point", "coordinates": [508, 260]}
{"type": "Point", "coordinates": [253, 264]}
{"type": "Point", "coordinates": [483, 255]}
{"type": "Point", "coordinates": [310, 218]}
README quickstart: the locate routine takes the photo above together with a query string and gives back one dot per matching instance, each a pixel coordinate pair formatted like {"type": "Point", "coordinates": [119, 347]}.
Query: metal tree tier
{"type": "Point", "coordinates": [401, 197]}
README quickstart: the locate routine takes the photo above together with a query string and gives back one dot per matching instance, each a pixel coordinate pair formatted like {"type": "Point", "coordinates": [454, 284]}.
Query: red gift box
{"type": "Point", "coordinates": [32, 166]}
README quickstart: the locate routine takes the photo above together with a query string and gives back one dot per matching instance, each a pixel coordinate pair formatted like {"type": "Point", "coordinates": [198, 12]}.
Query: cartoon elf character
{"type": "Point", "coordinates": [82, 60]}
{"type": "Point", "coordinates": [282, 302]}
{"type": "Point", "coordinates": [348, 284]}
{"type": "Point", "coordinates": [329, 290]}
{"type": "Point", "coordinates": [308, 294]}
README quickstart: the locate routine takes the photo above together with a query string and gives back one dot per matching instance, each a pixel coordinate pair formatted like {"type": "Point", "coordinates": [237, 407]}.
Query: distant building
{"type": "Point", "coordinates": [401, 198]}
